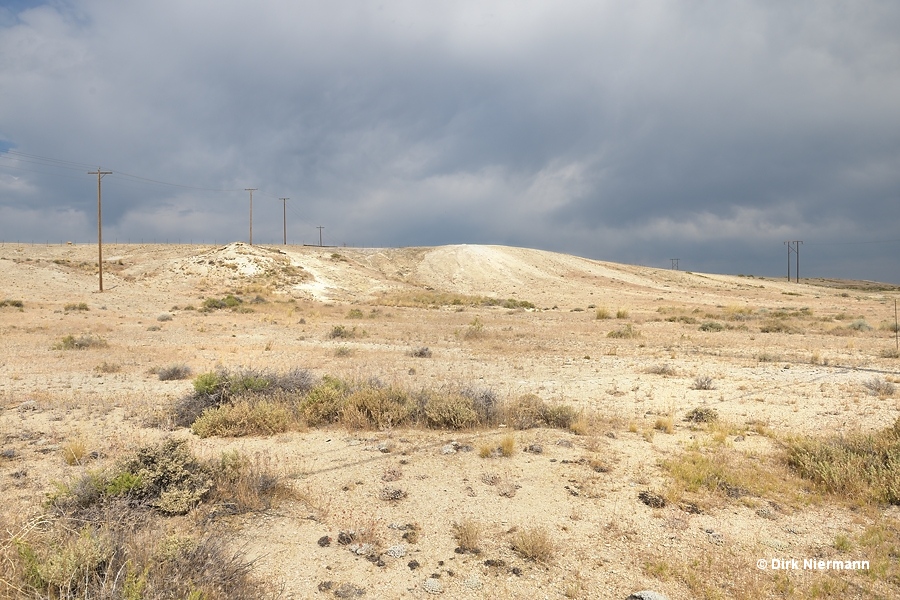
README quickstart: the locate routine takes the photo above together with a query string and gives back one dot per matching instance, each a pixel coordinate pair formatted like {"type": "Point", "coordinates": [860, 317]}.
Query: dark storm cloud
{"type": "Point", "coordinates": [624, 131]}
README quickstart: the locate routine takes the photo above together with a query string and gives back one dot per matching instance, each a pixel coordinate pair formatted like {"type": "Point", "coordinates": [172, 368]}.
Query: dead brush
{"type": "Point", "coordinates": [468, 535]}
{"type": "Point", "coordinates": [246, 483]}
{"type": "Point", "coordinates": [534, 544]}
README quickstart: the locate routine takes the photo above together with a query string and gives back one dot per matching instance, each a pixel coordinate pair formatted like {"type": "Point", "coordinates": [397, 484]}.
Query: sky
{"type": "Point", "coordinates": [630, 131]}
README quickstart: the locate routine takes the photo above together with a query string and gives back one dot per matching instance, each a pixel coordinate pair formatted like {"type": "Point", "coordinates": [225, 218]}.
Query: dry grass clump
{"type": "Point", "coordinates": [534, 544]}
{"type": "Point", "coordinates": [82, 342]}
{"type": "Point", "coordinates": [602, 313]}
{"type": "Point", "coordinates": [864, 467]}
{"type": "Point", "coordinates": [80, 306]}
{"type": "Point", "coordinates": [468, 535]}
{"type": "Point", "coordinates": [75, 452]}
{"type": "Point", "coordinates": [14, 303]}
{"type": "Point", "coordinates": [475, 330]}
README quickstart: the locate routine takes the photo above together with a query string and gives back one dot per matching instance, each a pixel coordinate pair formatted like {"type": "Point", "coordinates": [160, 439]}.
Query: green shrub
{"type": "Point", "coordinates": [324, 404]}
{"type": "Point", "coordinates": [711, 326]}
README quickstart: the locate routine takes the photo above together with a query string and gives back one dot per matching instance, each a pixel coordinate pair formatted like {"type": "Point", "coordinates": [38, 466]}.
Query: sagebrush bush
{"type": "Point", "coordinates": [174, 373]}
{"type": "Point", "coordinates": [450, 411]}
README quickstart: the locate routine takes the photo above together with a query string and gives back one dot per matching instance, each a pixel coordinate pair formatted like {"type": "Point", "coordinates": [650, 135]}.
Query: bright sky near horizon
{"type": "Point", "coordinates": [636, 131]}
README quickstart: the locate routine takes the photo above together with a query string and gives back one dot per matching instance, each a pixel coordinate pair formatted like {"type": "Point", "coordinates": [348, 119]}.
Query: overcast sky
{"type": "Point", "coordinates": [628, 131]}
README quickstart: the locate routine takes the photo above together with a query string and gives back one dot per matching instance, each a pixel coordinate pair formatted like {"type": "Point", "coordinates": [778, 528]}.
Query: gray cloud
{"type": "Point", "coordinates": [632, 131]}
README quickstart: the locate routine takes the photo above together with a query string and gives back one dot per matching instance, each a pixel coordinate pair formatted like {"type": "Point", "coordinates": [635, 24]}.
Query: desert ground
{"type": "Point", "coordinates": [669, 373]}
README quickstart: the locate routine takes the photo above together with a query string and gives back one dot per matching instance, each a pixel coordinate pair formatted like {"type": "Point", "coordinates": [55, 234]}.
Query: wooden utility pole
{"type": "Point", "coordinates": [794, 247]}
{"type": "Point", "coordinates": [99, 173]}
{"type": "Point", "coordinates": [284, 213]}
{"type": "Point", "coordinates": [251, 190]}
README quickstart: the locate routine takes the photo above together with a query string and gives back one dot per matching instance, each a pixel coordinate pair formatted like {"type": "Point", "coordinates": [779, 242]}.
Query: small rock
{"type": "Point", "coordinates": [448, 449]}
{"type": "Point", "coordinates": [398, 551]}
{"type": "Point", "coordinates": [348, 590]}
{"type": "Point", "coordinates": [28, 405]}
{"type": "Point", "coordinates": [324, 541]}
{"type": "Point", "coordinates": [325, 586]}
{"type": "Point", "coordinates": [646, 595]}
{"type": "Point", "coordinates": [413, 565]}
{"type": "Point", "coordinates": [8, 453]}
{"type": "Point", "coordinates": [564, 443]}
{"type": "Point", "coordinates": [534, 448]}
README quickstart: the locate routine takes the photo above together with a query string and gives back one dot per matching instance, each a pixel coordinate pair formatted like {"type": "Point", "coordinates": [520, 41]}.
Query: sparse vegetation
{"type": "Point", "coordinates": [468, 535]}
{"type": "Point", "coordinates": [703, 382]}
{"type": "Point", "coordinates": [879, 387]}
{"type": "Point", "coordinates": [174, 372]}
{"type": "Point", "coordinates": [420, 352]}
{"type": "Point", "coordinates": [81, 342]}
{"type": "Point", "coordinates": [14, 303]}
{"type": "Point", "coordinates": [76, 306]}
{"type": "Point", "coordinates": [864, 467]}
{"type": "Point", "coordinates": [602, 313]}
{"type": "Point", "coordinates": [702, 415]}
{"type": "Point", "coordinates": [534, 544]}
{"type": "Point", "coordinates": [627, 332]}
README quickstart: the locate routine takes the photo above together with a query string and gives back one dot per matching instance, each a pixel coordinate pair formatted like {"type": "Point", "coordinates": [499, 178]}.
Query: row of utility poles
{"type": "Point", "coordinates": [100, 173]}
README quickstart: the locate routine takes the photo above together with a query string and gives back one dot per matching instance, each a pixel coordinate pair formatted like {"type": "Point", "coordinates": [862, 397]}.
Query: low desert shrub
{"type": "Point", "coordinates": [879, 387]}
{"type": "Point", "coordinates": [864, 467]}
{"type": "Point", "coordinates": [174, 373]}
{"type": "Point", "coordinates": [702, 415]}
{"type": "Point", "coordinates": [82, 306]}
{"type": "Point", "coordinates": [602, 313]}
{"type": "Point", "coordinates": [713, 326]}
{"type": "Point", "coordinates": [624, 333]}
{"type": "Point", "coordinates": [420, 352]}
{"type": "Point", "coordinates": [82, 342]}
{"type": "Point", "coordinates": [450, 411]}
{"type": "Point", "coordinates": [703, 382]}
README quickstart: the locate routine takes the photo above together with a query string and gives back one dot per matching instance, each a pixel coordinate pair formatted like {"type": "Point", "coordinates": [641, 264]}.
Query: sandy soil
{"type": "Point", "coordinates": [808, 377]}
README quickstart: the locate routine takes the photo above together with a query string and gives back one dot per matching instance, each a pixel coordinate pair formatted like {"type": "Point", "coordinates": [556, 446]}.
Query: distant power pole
{"type": "Point", "coordinates": [793, 247]}
{"type": "Point", "coordinates": [320, 228]}
{"type": "Point", "coordinates": [284, 212]}
{"type": "Point", "coordinates": [674, 263]}
{"type": "Point", "coordinates": [99, 175]}
{"type": "Point", "coordinates": [251, 190]}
